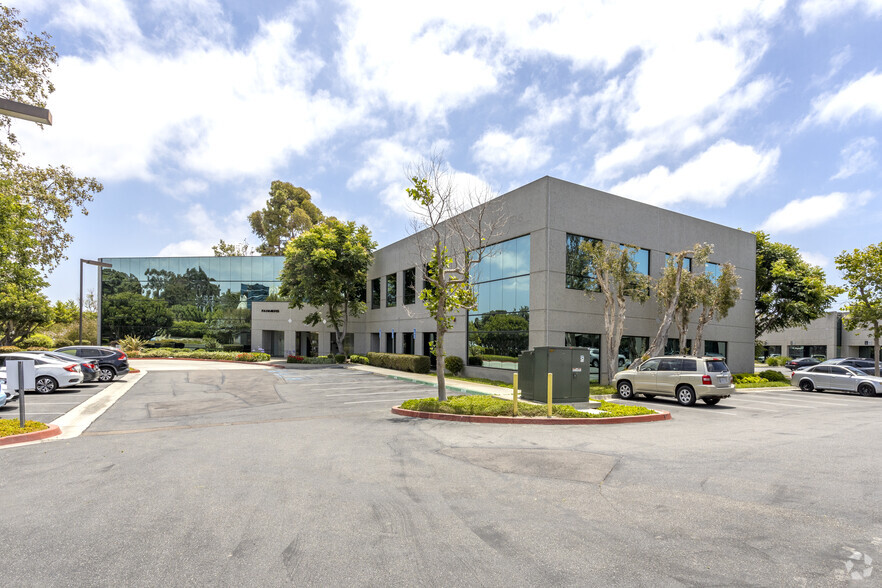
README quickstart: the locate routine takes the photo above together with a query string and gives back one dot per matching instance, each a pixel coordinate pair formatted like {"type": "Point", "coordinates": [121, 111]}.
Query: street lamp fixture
{"type": "Point", "coordinates": [90, 262]}
{"type": "Point", "coordinates": [25, 111]}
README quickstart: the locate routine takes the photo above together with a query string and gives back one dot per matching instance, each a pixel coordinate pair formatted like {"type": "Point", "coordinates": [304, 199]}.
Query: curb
{"type": "Point", "coordinates": [661, 415]}
{"type": "Point", "coordinates": [52, 431]}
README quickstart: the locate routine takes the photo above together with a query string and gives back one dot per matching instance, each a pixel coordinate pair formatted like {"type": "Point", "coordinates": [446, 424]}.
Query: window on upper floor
{"type": "Point", "coordinates": [687, 262]}
{"type": "Point", "coordinates": [410, 286]}
{"type": "Point", "coordinates": [391, 290]}
{"type": "Point", "coordinates": [579, 274]}
{"type": "Point", "coordinates": [375, 293]}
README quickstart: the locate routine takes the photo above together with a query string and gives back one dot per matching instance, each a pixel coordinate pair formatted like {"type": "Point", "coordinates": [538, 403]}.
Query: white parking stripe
{"type": "Point", "coordinates": [370, 393]}
{"type": "Point", "coordinates": [365, 401]}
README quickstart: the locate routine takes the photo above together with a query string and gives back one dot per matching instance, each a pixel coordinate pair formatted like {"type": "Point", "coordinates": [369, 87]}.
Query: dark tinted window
{"type": "Point", "coordinates": [838, 371]}
{"type": "Point", "coordinates": [688, 365]}
{"type": "Point", "coordinates": [410, 285]}
{"type": "Point", "coordinates": [716, 366]}
{"type": "Point", "coordinates": [375, 293]}
{"type": "Point", "coordinates": [669, 365]}
{"type": "Point", "coordinates": [821, 369]}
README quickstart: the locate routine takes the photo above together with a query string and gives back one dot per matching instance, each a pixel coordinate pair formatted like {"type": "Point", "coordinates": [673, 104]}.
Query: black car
{"type": "Point", "coordinates": [89, 369]}
{"type": "Point", "coordinates": [111, 362]}
{"type": "Point", "coordinates": [801, 362]}
{"type": "Point", "coordinates": [861, 363]}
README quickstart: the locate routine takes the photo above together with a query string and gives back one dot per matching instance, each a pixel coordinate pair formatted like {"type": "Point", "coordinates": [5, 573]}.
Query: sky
{"type": "Point", "coordinates": [756, 114]}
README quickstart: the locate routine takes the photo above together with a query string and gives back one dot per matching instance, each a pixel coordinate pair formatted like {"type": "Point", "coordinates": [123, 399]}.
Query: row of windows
{"type": "Point", "coordinates": [220, 269]}
{"type": "Point", "coordinates": [391, 298]}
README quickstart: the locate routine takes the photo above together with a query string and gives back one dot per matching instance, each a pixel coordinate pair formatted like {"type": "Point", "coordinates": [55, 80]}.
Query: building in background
{"type": "Point", "coordinates": [825, 336]}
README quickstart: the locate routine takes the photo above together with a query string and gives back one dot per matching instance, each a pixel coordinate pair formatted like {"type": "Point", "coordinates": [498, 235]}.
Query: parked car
{"type": "Point", "coordinates": [594, 353]}
{"type": "Point", "coordinates": [858, 362]}
{"type": "Point", "coordinates": [686, 378]}
{"type": "Point", "coordinates": [89, 369]}
{"type": "Point", "coordinates": [801, 362]}
{"type": "Point", "coordinates": [111, 362]}
{"type": "Point", "coordinates": [836, 377]}
{"type": "Point", "coordinates": [4, 397]}
{"type": "Point", "coordinates": [4, 386]}
{"type": "Point", "coordinates": [50, 374]}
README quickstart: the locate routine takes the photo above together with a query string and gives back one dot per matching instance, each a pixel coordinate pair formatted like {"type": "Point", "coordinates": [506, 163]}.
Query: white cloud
{"type": "Point", "coordinates": [507, 153]}
{"type": "Point", "coordinates": [857, 157]}
{"type": "Point", "coordinates": [801, 214]}
{"type": "Point", "coordinates": [817, 259]}
{"type": "Point", "coordinates": [206, 109]}
{"type": "Point", "coordinates": [859, 97]}
{"type": "Point", "coordinates": [709, 178]}
{"type": "Point", "coordinates": [814, 12]}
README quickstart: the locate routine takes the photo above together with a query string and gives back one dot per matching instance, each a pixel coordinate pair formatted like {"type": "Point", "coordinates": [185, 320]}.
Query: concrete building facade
{"type": "Point", "coordinates": [534, 285]}
{"type": "Point", "coordinates": [825, 336]}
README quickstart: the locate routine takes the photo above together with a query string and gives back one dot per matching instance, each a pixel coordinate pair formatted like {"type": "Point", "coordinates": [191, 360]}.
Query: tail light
{"type": "Point", "coordinates": [121, 356]}
{"type": "Point", "coordinates": [706, 380]}
{"type": "Point", "coordinates": [791, 374]}
{"type": "Point", "coordinates": [91, 366]}
{"type": "Point", "coordinates": [71, 368]}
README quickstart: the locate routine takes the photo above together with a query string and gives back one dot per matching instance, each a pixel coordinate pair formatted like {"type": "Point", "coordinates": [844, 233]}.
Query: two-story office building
{"type": "Point", "coordinates": [531, 292]}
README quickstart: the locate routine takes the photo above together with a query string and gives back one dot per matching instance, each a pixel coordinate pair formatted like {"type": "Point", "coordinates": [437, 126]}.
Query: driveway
{"type": "Point", "coordinates": [278, 477]}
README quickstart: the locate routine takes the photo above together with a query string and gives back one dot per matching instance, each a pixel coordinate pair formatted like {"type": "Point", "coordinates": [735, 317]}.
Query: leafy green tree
{"type": "Point", "coordinates": [288, 212]}
{"type": "Point", "coordinates": [116, 282]}
{"type": "Point", "coordinates": [613, 269]}
{"type": "Point", "coordinates": [789, 291]}
{"type": "Point", "coordinates": [224, 249]}
{"type": "Point", "coordinates": [188, 312]}
{"type": "Point", "coordinates": [23, 308]}
{"type": "Point", "coordinates": [65, 312]}
{"type": "Point", "coordinates": [862, 271]}
{"type": "Point", "coordinates": [193, 286]}
{"type": "Point", "coordinates": [451, 235]}
{"type": "Point", "coordinates": [131, 314]}
{"type": "Point", "coordinates": [48, 196]}
{"type": "Point", "coordinates": [716, 297]}
{"type": "Point", "coordinates": [674, 292]}
{"type": "Point", "coordinates": [326, 268]}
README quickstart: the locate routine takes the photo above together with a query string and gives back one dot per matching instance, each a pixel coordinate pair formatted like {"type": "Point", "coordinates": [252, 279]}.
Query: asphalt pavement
{"type": "Point", "coordinates": [216, 476]}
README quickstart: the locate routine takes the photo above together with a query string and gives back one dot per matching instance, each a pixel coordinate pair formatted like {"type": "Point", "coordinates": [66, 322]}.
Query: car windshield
{"type": "Point", "coordinates": [716, 365]}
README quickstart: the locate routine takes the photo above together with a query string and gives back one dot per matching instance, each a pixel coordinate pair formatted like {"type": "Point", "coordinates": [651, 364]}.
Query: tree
{"type": "Point", "coordinates": [613, 269]}
{"type": "Point", "coordinates": [116, 282]}
{"type": "Point", "coordinates": [65, 312]}
{"type": "Point", "coordinates": [669, 289]}
{"type": "Point", "coordinates": [326, 268]}
{"type": "Point", "coordinates": [862, 271]}
{"type": "Point", "coordinates": [288, 212]}
{"type": "Point", "coordinates": [716, 297]}
{"type": "Point", "coordinates": [128, 313]}
{"type": "Point", "coordinates": [452, 231]}
{"type": "Point", "coordinates": [47, 196]}
{"type": "Point", "coordinates": [22, 310]}
{"type": "Point", "coordinates": [224, 249]}
{"type": "Point", "coordinates": [789, 291]}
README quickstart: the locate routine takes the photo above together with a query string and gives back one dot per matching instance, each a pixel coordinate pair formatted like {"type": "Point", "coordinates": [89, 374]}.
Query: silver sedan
{"type": "Point", "coordinates": [836, 377]}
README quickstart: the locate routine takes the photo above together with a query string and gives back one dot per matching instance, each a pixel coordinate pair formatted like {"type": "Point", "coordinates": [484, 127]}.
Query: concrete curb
{"type": "Point", "coordinates": [52, 431]}
{"type": "Point", "coordinates": [661, 415]}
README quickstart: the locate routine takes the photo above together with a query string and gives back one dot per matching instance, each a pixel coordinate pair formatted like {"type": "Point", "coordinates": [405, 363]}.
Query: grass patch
{"type": "Point", "coordinates": [10, 427]}
{"type": "Point", "coordinates": [763, 385]}
{"type": "Point", "coordinates": [492, 406]}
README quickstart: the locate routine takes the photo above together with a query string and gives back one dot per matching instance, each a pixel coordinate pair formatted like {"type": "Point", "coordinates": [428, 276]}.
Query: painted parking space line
{"type": "Point", "coordinates": [369, 393]}
{"type": "Point", "coordinates": [386, 400]}
{"type": "Point", "coordinates": [787, 404]}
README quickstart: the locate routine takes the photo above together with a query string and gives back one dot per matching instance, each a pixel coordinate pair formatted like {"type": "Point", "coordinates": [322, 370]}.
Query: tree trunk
{"type": "Point", "coordinates": [439, 356]}
{"type": "Point", "coordinates": [611, 346]}
{"type": "Point", "coordinates": [661, 337]}
{"type": "Point", "coordinates": [697, 344]}
{"type": "Point", "coordinates": [683, 329]}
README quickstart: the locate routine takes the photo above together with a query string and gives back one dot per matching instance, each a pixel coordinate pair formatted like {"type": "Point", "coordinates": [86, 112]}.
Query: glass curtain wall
{"type": "Point", "coordinates": [500, 327]}
{"type": "Point", "coordinates": [579, 276]}
{"type": "Point", "coordinates": [187, 298]}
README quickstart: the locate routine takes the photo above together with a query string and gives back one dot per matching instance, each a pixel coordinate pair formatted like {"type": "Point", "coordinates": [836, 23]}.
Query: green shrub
{"type": "Point", "coordinates": [319, 360]}
{"type": "Point", "coordinates": [476, 360]}
{"type": "Point", "coordinates": [62, 342]}
{"type": "Point", "coordinates": [193, 329]}
{"type": "Point", "coordinates": [9, 349]}
{"type": "Point", "coordinates": [453, 364]}
{"type": "Point", "coordinates": [777, 361]}
{"type": "Point", "coordinates": [35, 348]}
{"type": "Point", "coordinates": [749, 379]}
{"type": "Point", "coordinates": [499, 358]}
{"type": "Point", "coordinates": [419, 364]}
{"type": "Point", "coordinates": [130, 344]}
{"type": "Point", "coordinates": [210, 342]}
{"type": "Point", "coordinates": [360, 359]}
{"type": "Point", "coordinates": [492, 406]}
{"type": "Point", "coordinates": [340, 358]}
{"type": "Point", "coordinates": [36, 340]}
{"type": "Point", "coordinates": [773, 376]}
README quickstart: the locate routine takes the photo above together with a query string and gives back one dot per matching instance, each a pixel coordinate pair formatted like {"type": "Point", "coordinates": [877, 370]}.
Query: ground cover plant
{"type": "Point", "coordinates": [492, 406]}
{"type": "Point", "coordinates": [201, 354]}
{"type": "Point", "coordinates": [11, 427]}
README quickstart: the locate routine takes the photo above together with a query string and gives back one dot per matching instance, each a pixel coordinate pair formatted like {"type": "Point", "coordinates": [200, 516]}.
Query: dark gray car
{"type": "Point", "coordinates": [111, 362]}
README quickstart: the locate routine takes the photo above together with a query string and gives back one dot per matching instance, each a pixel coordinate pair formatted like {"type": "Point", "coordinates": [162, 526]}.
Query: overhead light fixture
{"type": "Point", "coordinates": [25, 111]}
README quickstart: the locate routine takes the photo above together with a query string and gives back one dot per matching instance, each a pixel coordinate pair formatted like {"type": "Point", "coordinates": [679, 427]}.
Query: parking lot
{"type": "Point", "coordinates": [225, 474]}
{"type": "Point", "coordinates": [48, 407]}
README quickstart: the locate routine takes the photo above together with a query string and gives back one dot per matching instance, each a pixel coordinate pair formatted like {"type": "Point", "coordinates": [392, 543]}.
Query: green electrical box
{"type": "Point", "coordinates": [571, 371]}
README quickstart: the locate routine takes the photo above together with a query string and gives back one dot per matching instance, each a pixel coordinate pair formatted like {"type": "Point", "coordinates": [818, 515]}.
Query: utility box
{"type": "Point", "coordinates": [571, 369]}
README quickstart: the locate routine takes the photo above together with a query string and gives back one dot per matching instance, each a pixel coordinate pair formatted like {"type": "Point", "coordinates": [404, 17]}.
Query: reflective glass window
{"type": "Point", "coordinates": [578, 267]}
{"type": "Point", "coordinates": [641, 261]}
{"type": "Point", "coordinates": [391, 290]}
{"type": "Point", "coordinates": [375, 293]}
{"type": "Point", "coordinates": [410, 286]}
{"type": "Point", "coordinates": [712, 269]}
{"type": "Point", "coordinates": [687, 262]}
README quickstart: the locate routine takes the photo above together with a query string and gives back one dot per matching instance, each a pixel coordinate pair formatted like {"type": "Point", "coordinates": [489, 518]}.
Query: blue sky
{"type": "Point", "coordinates": [754, 114]}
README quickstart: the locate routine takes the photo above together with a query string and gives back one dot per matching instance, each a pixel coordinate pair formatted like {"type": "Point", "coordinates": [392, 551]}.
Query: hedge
{"type": "Point", "coordinates": [419, 364]}
{"type": "Point", "coordinates": [200, 354]}
{"type": "Point", "coordinates": [453, 364]}
{"type": "Point", "coordinates": [359, 359]}
{"type": "Point", "coordinates": [773, 376]}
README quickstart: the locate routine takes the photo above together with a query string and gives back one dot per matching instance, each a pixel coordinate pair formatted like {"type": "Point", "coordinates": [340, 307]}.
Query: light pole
{"type": "Point", "coordinates": [25, 111]}
{"type": "Point", "coordinates": [90, 262]}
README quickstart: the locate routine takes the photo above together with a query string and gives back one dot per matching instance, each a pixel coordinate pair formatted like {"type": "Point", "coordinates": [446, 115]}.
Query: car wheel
{"type": "Point", "coordinates": [625, 390]}
{"type": "Point", "coordinates": [106, 374]}
{"type": "Point", "coordinates": [866, 390]}
{"type": "Point", "coordinates": [621, 362]}
{"type": "Point", "coordinates": [594, 363]}
{"type": "Point", "coordinates": [650, 396]}
{"type": "Point", "coordinates": [710, 401]}
{"type": "Point", "coordinates": [806, 386]}
{"type": "Point", "coordinates": [685, 395]}
{"type": "Point", "coordinates": [45, 384]}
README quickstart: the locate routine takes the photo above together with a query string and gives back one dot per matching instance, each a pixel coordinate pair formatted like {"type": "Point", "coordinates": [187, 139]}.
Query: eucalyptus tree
{"type": "Point", "coordinates": [716, 296]}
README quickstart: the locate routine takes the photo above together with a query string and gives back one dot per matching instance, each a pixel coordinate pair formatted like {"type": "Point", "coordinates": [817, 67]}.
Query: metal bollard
{"type": "Point", "coordinates": [549, 393]}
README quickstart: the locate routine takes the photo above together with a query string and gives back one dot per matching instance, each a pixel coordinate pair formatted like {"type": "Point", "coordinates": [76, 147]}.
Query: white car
{"type": "Point", "coordinates": [50, 374]}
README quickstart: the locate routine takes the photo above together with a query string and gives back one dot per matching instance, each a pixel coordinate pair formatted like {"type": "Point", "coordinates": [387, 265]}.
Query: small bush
{"type": "Point", "coordinates": [318, 360]}
{"type": "Point", "coordinates": [360, 359]}
{"type": "Point", "coordinates": [9, 349]}
{"type": "Point", "coordinates": [419, 364]}
{"type": "Point", "coordinates": [773, 376]}
{"type": "Point", "coordinates": [453, 364]}
{"type": "Point", "coordinates": [62, 342]}
{"type": "Point", "coordinates": [131, 343]}
{"type": "Point", "coordinates": [295, 359]}
{"type": "Point", "coordinates": [748, 379]}
{"type": "Point", "coordinates": [340, 358]}
{"type": "Point", "coordinates": [252, 357]}
{"type": "Point", "coordinates": [210, 342]}
{"type": "Point", "coordinates": [36, 340]}
{"type": "Point", "coordinates": [35, 348]}
{"type": "Point", "coordinates": [777, 361]}
{"type": "Point", "coordinates": [475, 361]}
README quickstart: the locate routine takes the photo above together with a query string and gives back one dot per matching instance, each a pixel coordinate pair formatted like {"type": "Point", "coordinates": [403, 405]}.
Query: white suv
{"type": "Point", "coordinates": [684, 377]}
